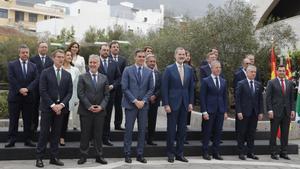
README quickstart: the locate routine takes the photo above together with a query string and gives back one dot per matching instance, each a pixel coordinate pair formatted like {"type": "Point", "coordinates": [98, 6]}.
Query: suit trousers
{"type": "Point", "coordinates": [130, 116]}
{"type": "Point", "coordinates": [35, 112]}
{"type": "Point", "coordinates": [152, 116]}
{"type": "Point", "coordinates": [118, 107]}
{"type": "Point", "coordinates": [284, 123]}
{"type": "Point", "coordinates": [64, 126]}
{"type": "Point", "coordinates": [14, 109]}
{"type": "Point", "coordinates": [109, 107]}
{"type": "Point", "coordinates": [176, 129]}
{"type": "Point", "coordinates": [91, 127]}
{"type": "Point", "coordinates": [246, 129]}
{"type": "Point", "coordinates": [212, 128]}
{"type": "Point", "coordinates": [50, 129]}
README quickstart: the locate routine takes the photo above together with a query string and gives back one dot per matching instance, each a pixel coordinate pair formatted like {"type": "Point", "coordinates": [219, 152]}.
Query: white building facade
{"type": "Point", "coordinates": [83, 14]}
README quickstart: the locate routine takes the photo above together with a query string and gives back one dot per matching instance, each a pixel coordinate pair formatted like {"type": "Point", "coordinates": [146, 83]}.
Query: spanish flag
{"type": "Point", "coordinates": [273, 64]}
{"type": "Point", "coordinates": [288, 68]}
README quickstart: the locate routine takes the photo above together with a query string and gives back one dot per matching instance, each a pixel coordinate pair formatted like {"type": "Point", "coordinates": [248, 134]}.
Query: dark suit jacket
{"type": "Point", "coordinates": [38, 62]}
{"type": "Point", "coordinates": [240, 75]}
{"type": "Point", "coordinates": [205, 71]}
{"type": "Point", "coordinates": [211, 97]}
{"type": "Point", "coordinates": [113, 73]}
{"type": "Point", "coordinates": [245, 101]}
{"type": "Point", "coordinates": [89, 95]}
{"type": "Point", "coordinates": [122, 62]}
{"type": "Point", "coordinates": [17, 81]}
{"type": "Point", "coordinates": [132, 90]}
{"type": "Point", "coordinates": [157, 87]}
{"type": "Point", "coordinates": [276, 101]}
{"type": "Point", "coordinates": [50, 90]}
{"type": "Point", "coordinates": [173, 92]}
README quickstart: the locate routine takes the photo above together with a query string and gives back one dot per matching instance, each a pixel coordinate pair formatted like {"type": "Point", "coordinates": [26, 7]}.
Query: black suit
{"type": "Point", "coordinates": [52, 93]}
{"type": "Point", "coordinates": [16, 101]}
{"type": "Point", "coordinates": [114, 77]}
{"type": "Point", "coordinates": [205, 71]}
{"type": "Point", "coordinates": [40, 67]}
{"type": "Point", "coordinates": [241, 75]}
{"type": "Point", "coordinates": [122, 63]}
{"type": "Point", "coordinates": [250, 104]}
{"type": "Point", "coordinates": [281, 104]}
{"type": "Point", "coordinates": [152, 112]}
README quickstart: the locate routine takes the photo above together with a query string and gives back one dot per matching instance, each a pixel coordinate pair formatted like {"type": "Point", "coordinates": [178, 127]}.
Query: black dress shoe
{"type": "Point", "coordinates": [101, 160]}
{"type": "Point", "coordinates": [242, 157]}
{"type": "Point", "coordinates": [217, 157]}
{"type": "Point", "coordinates": [171, 159]}
{"type": "Point", "coordinates": [206, 156]}
{"type": "Point", "coordinates": [39, 163]}
{"type": "Point", "coordinates": [10, 144]}
{"type": "Point", "coordinates": [128, 159]}
{"type": "Point", "coordinates": [119, 128]}
{"type": "Point", "coordinates": [107, 143]}
{"type": "Point", "coordinates": [182, 159]}
{"type": "Point", "coordinates": [151, 143]}
{"type": "Point", "coordinates": [254, 157]}
{"type": "Point", "coordinates": [56, 161]}
{"type": "Point", "coordinates": [29, 143]}
{"type": "Point", "coordinates": [82, 160]}
{"type": "Point", "coordinates": [141, 159]}
{"type": "Point", "coordinates": [284, 156]}
{"type": "Point", "coordinates": [274, 157]}
{"type": "Point", "coordinates": [186, 142]}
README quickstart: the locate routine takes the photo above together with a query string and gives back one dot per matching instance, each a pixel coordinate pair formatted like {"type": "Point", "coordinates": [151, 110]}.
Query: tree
{"type": "Point", "coordinates": [65, 36]}
{"type": "Point", "coordinates": [95, 35]}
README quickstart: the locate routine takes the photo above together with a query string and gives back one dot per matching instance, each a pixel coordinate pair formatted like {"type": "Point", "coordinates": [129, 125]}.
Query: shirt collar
{"type": "Point", "coordinates": [213, 76]}
{"type": "Point", "coordinates": [177, 64]}
{"type": "Point", "coordinates": [250, 80]}
{"type": "Point", "coordinates": [21, 61]}
{"type": "Point", "coordinates": [93, 73]}
{"type": "Point", "coordinates": [55, 68]}
{"type": "Point", "coordinates": [280, 79]}
{"type": "Point", "coordinates": [102, 59]}
{"type": "Point", "coordinates": [42, 56]}
{"type": "Point", "coordinates": [137, 66]}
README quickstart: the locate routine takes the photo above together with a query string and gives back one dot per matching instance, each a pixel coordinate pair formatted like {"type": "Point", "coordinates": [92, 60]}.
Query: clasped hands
{"type": "Point", "coordinates": [95, 108]}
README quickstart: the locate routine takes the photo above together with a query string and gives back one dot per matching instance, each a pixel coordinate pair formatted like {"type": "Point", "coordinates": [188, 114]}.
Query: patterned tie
{"type": "Point", "coordinates": [282, 86]}
{"type": "Point", "coordinates": [94, 80]}
{"type": "Point", "coordinates": [43, 60]}
{"type": "Point", "coordinates": [58, 76]}
{"type": "Point", "coordinates": [181, 74]}
{"type": "Point", "coordinates": [217, 82]}
{"type": "Point", "coordinates": [24, 69]}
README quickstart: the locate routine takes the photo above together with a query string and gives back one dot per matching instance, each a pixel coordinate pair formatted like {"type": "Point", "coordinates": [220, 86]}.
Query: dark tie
{"type": "Point", "coordinates": [58, 76]}
{"type": "Point", "coordinates": [252, 87]}
{"type": "Point", "coordinates": [282, 85]}
{"type": "Point", "coordinates": [94, 80]}
{"type": "Point", "coordinates": [105, 65]}
{"type": "Point", "coordinates": [24, 69]}
{"type": "Point", "coordinates": [139, 75]}
{"type": "Point", "coordinates": [115, 58]}
{"type": "Point", "coordinates": [43, 60]}
{"type": "Point", "coordinates": [217, 82]}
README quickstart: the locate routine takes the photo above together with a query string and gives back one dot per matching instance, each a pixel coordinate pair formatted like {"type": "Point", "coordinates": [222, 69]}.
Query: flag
{"type": "Point", "coordinates": [273, 64]}
{"type": "Point", "coordinates": [288, 68]}
{"type": "Point", "coordinates": [298, 104]}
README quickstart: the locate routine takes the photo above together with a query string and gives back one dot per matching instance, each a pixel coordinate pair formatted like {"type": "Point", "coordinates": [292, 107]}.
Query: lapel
{"type": "Point", "coordinates": [90, 80]}
{"type": "Point", "coordinates": [278, 85]}
{"type": "Point", "coordinates": [53, 74]}
{"type": "Point", "coordinates": [213, 83]}
{"type": "Point", "coordinates": [98, 82]}
{"type": "Point", "coordinates": [175, 70]}
{"type": "Point", "coordinates": [185, 72]}
{"type": "Point", "coordinates": [19, 67]}
{"type": "Point", "coordinates": [101, 68]}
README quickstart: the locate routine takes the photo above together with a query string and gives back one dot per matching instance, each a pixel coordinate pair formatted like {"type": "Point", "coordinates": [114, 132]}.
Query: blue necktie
{"type": "Point", "coordinates": [139, 75]}
{"type": "Point", "coordinates": [252, 87]}
{"type": "Point", "coordinates": [24, 69]}
{"type": "Point", "coordinates": [217, 83]}
{"type": "Point", "coordinates": [94, 80]}
{"type": "Point", "coordinates": [105, 65]}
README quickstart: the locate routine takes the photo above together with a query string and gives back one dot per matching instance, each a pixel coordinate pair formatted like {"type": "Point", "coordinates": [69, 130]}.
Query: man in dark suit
{"type": "Point", "coordinates": [23, 78]}
{"type": "Point", "coordinates": [56, 90]}
{"type": "Point", "coordinates": [213, 99]}
{"type": "Point", "coordinates": [249, 109]}
{"type": "Point", "coordinates": [213, 50]}
{"type": "Point", "coordinates": [109, 68]}
{"type": "Point", "coordinates": [122, 63]}
{"type": "Point", "coordinates": [178, 98]}
{"type": "Point", "coordinates": [281, 109]}
{"type": "Point", "coordinates": [251, 57]}
{"type": "Point", "coordinates": [93, 93]}
{"type": "Point", "coordinates": [154, 99]}
{"type": "Point", "coordinates": [205, 70]}
{"type": "Point", "coordinates": [42, 61]}
{"type": "Point", "coordinates": [137, 86]}
{"type": "Point", "coordinates": [240, 73]}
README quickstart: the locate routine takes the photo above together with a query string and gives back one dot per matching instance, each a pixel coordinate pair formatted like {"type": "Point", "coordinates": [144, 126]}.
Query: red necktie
{"type": "Point", "coordinates": [282, 86]}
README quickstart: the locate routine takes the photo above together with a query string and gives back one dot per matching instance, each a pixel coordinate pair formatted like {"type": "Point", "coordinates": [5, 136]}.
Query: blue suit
{"type": "Point", "coordinates": [133, 89]}
{"type": "Point", "coordinates": [16, 101]}
{"type": "Point", "coordinates": [52, 93]}
{"type": "Point", "coordinates": [213, 101]}
{"type": "Point", "coordinates": [250, 104]}
{"type": "Point", "coordinates": [178, 96]}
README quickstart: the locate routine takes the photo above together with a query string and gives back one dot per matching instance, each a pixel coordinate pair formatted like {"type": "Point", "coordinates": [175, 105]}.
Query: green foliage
{"type": "Point", "coordinates": [95, 35]}
{"type": "Point", "coordinates": [64, 36]}
{"type": "Point", "coordinates": [3, 105]}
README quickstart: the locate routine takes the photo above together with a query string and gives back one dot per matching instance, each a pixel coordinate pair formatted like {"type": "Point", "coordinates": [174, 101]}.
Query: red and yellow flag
{"type": "Point", "coordinates": [273, 64]}
{"type": "Point", "coordinates": [288, 68]}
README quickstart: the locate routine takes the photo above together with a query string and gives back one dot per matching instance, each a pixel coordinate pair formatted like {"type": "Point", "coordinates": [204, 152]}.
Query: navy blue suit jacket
{"type": "Point", "coordinates": [122, 62]}
{"type": "Point", "coordinates": [50, 90]}
{"type": "Point", "coordinates": [157, 87]}
{"type": "Point", "coordinates": [212, 98]}
{"type": "Point", "coordinates": [113, 73]}
{"type": "Point", "coordinates": [17, 81]}
{"type": "Point", "coordinates": [38, 62]}
{"type": "Point", "coordinates": [133, 90]}
{"type": "Point", "coordinates": [245, 101]}
{"type": "Point", "coordinates": [173, 92]}
{"type": "Point", "coordinates": [205, 71]}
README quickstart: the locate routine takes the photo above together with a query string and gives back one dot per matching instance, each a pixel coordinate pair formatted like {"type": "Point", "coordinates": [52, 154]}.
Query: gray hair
{"type": "Point", "coordinates": [94, 56]}
{"type": "Point", "coordinates": [251, 68]}
{"type": "Point", "coordinates": [177, 49]}
{"type": "Point", "coordinates": [215, 62]}
{"type": "Point", "coordinates": [150, 56]}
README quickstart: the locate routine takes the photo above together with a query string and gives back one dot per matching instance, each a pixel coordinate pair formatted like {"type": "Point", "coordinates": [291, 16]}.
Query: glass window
{"type": "Point", "coordinates": [19, 16]}
{"type": "Point", "coordinates": [3, 13]}
{"type": "Point", "coordinates": [32, 17]}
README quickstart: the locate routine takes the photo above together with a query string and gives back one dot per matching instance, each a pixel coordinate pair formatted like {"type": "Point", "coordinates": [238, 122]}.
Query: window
{"type": "Point", "coordinates": [3, 13]}
{"type": "Point", "coordinates": [19, 16]}
{"type": "Point", "coordinates": [145, 19]}
{"type": "Point", "coordinates": [45, 17]}
{"type": "Point", "coordinates": [51, 17]}
{"type": "Point", "coordinates": [32, 17]}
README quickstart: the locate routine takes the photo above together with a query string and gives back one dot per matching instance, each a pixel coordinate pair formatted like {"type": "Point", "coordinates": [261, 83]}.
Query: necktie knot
{"type": "Point", "coordinates": [251, 82]}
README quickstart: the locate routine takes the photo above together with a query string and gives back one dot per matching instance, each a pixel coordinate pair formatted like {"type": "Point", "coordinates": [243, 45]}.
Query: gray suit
{"type": "Point", "coordinates": [281, 105]}
{"type": "Point", "coordinates": [92, 123]}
